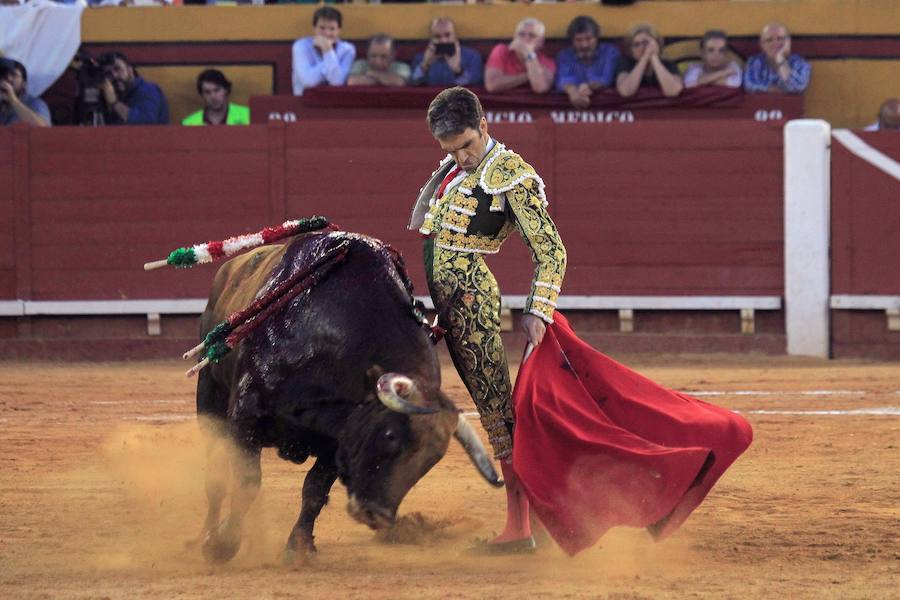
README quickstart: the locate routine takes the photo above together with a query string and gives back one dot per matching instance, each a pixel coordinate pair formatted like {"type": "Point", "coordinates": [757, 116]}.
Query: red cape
{"type": "Point", "coordinates": [598, 445]}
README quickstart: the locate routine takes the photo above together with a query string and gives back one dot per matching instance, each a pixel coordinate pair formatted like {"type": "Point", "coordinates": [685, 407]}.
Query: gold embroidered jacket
{"type": "Point", "coordinates": [479, 209]}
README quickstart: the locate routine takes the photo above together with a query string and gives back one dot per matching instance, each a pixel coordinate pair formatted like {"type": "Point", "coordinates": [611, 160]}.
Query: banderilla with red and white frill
{"type": "Point", "coordinates": [204, 253]}
{"type": "Point", "coordinates": [226, 335]}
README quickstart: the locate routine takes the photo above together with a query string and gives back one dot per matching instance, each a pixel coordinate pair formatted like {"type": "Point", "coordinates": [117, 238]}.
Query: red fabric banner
{"type": "Point", "coordinates": [598, 445]}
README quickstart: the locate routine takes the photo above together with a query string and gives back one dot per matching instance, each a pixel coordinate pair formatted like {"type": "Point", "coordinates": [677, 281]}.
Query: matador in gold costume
{"type": "Point", "coordinates": [481, 192]}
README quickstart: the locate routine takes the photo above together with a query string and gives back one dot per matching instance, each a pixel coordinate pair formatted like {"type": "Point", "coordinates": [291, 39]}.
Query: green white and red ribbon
{"type": "Point", "coordinates": [210, 251]}
{"type": "Point", "coordinates": [226, 335]}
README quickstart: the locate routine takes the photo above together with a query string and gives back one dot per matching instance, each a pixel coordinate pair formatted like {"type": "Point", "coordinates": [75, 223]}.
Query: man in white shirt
{"type": "Point", "coordinates": [322, 58]}
{"type": "Point", "coordinates": [715, 69]}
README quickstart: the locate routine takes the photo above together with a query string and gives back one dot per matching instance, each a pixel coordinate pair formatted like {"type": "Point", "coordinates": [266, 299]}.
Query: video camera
{"type": "Point", "coordinates": [90, 107]}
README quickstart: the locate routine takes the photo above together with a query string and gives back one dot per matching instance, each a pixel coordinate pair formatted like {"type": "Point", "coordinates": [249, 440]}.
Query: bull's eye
{"type": "Point", "coordinates": [390, 443]}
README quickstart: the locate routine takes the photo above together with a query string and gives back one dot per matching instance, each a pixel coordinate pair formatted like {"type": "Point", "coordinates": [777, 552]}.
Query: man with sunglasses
{"type": "Point", "coordinates": [715, 69]}
{"type": "Point", "coordinates": [776, 70]}
{"type": "Point", "coordinates": [520, 62]}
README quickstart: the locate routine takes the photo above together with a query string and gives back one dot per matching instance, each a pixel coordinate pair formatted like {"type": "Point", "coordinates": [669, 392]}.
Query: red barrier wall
{"type": "Point", "coordinates": [8, 221]}
{"type": "Point", "coordinates": [655, 208]}
{"type": "Point", "coordinates": [865, 246]}
{"type": "Point", "coordinates": [865, 220]}
{"type": "Point", "coordinates": [686, 214]}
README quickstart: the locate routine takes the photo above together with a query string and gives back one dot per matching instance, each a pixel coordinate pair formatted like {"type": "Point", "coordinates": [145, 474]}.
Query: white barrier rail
{"type": "Point", "coordinates": [625, 305]}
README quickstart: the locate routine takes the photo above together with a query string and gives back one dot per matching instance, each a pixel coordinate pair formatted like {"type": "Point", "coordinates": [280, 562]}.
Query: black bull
{"type": "Point", "coordinates": [344, 372]}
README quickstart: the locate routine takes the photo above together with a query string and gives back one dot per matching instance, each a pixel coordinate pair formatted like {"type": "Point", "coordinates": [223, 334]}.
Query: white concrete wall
{"type": "Point", "coordinates": [807, 233]}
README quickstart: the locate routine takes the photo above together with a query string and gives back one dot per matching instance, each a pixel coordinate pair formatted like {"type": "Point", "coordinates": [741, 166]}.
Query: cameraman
{"type": "Point", "coordinates": [129, 99]}
{"type": "Point", "coordinates": [16, 106]}
{"type": "Point", "coordinates": [444, 62]}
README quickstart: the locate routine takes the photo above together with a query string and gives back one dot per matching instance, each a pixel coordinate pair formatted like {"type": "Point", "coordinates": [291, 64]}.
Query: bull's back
{"type": "Point", "coordinates": [237, 283]}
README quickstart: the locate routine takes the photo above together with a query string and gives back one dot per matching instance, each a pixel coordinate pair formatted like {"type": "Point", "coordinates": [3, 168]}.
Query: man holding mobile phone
{"type": "Point", "coordinates": [444, 62]}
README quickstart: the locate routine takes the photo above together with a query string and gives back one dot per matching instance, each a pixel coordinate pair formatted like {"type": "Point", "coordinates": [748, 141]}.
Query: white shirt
{"type": "Point", "coordinates": [694, 72]}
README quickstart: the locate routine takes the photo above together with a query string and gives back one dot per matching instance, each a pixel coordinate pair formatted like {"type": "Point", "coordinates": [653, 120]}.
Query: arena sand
{"type": "Point", "coordinates": [101, 493]}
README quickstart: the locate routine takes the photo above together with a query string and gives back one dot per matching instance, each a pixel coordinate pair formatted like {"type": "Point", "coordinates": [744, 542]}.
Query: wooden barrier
{"type": "Point", "coordinates": [865, 280]}
{"type": "Point", "coordinates": [694, 214]}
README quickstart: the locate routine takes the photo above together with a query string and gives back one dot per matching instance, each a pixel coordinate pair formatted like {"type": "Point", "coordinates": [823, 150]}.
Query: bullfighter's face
{"type": "Point", "coordinates": [467, 148]}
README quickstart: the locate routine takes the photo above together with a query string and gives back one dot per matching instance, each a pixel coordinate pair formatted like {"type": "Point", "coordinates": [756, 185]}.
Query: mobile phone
{"type": "Point", "coordinates": [445, 49]}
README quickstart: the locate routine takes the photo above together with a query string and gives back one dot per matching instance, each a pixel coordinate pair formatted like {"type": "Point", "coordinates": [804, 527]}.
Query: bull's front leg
{"type": "Point", "coordinates": [300, 545]}
{"type": "Point", "coordinates": [224, 541]}
{"type": "Point", "coordinates": [216, 484]}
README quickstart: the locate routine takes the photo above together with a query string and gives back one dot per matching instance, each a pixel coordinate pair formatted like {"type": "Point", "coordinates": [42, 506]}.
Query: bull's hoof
{"type": "Point", "coordinates": [302, 555]}
{"type": "Point", "coordinates": [221, 545]}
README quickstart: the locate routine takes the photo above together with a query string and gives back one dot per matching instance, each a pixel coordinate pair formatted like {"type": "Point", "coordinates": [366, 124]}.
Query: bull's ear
{"type": "Point", "coordinates": [372, 375]}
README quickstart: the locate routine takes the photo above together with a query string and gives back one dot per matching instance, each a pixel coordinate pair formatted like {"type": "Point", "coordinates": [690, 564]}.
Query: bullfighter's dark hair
{"type": "Point", "coordinates": [453, 111]}
{"type": "Point", "coordinates": [329, 14]}
{"type": "Point", "coordinates": [214, 76]}
{"type": "Point", "coordinates": [582, 24]}
{"type": "Point", "coordinates": [713, 34]}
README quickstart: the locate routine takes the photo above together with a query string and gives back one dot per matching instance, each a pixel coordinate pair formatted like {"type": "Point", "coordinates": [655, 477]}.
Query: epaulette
{"type": "Point", "coordinates": [505, 170]}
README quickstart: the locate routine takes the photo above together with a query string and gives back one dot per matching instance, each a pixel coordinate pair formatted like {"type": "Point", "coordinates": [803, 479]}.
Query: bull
{"type": "Point", "coordinates": [343, 372]}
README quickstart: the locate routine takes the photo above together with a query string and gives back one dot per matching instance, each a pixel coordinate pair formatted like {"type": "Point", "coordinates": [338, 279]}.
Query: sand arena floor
{"type": "Point", "coordinates": [101, 485]}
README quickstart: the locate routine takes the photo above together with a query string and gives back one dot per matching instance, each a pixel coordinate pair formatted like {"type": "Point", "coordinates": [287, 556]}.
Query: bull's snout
{"type": "Point", "coordinates": [376, 517]}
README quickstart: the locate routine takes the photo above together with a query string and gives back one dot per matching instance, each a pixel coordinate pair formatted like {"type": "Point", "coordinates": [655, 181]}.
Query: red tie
{"type": "Point", "coordinates": [453, 173]}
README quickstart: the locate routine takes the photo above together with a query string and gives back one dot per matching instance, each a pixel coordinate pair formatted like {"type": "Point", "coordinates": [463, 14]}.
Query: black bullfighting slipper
{"type": "Point", "coordinates": [483, 548]}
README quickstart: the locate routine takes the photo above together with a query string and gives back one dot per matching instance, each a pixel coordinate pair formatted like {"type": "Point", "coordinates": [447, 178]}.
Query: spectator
{"type": "Point", "coordinates": [775, 70]}
{"type": "Point", "coordinates": [438, 66]}
{"type": "Point", "coordinates": [16, 105]}
{"type": "Point", "coordinates": [586, 65]}
{"type": "Point", "coordinates": [129, 99]}
{"type": "Point", "coordinates": [888, 116]}
{"type": "Point", "coordinates": [644, 67]}
{"type": "Point", "coordinates": [520, 62]}
{"type": "Point", "coordinates": [379, 66]}
{"type": "Point", "coordinates": [322, 58]}
{"type": "Point", "coordinates": [715, 69]}
{"type": "Point", "coordinates": [215, 89]}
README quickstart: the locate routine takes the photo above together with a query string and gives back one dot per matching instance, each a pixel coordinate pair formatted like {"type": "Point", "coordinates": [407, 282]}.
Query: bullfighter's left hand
{"type": "Point", "coordinates": [534, 328]}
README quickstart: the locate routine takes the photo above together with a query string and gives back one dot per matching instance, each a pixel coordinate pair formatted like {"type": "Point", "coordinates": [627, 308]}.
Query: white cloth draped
{"type": "Point", "coordinates": [43, 36]}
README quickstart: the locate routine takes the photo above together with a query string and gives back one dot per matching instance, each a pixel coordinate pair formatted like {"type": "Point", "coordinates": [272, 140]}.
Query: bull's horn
{"type": "Point", "coordinates": [472, 443]}
{"type": "Point", "coordinates": [391, 389]}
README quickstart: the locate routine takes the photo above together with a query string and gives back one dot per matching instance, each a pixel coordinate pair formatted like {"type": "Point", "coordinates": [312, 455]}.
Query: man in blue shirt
{"type": "Point", "coordinates": [775, 70]}
{"type": "Point", "coordinates": [17, 105]}
{"type": "Point", "coordinates": [586, 65]}
{"type": "Point", "coordinates": [129, 99]}
{"type": "Point", "coordinates": [445, 63]}
{"type": "Point", "coordinates": [322, 58]}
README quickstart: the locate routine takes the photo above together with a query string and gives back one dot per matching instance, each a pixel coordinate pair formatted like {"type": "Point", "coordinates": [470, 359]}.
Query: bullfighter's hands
{"type": "Point", "coordinates": [534, 328]}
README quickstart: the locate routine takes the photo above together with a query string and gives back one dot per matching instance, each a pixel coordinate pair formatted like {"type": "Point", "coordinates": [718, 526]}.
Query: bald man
{"type": "Point", "coordinates": [776, 70]}
{"type": "Point", "coordinates": [521, 62]}
{"type": "Point", "coordinates": [888, 116]}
